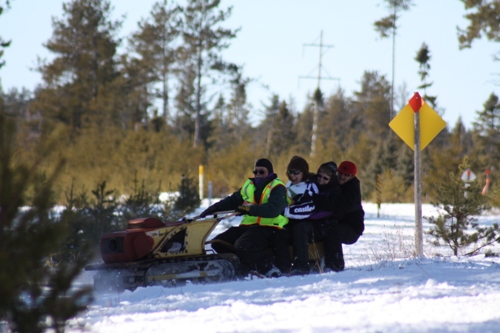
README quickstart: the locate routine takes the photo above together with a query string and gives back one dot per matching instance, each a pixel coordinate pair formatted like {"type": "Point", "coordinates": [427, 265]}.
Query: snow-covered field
{"type": "Point", "coordinates": [383, 289]}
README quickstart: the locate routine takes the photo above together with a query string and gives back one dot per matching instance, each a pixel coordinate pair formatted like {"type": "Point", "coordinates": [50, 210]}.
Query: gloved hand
{"type": "Point", "coordinates": [209, 211]}
{"type": "Point", "coordinates": [243, 210]}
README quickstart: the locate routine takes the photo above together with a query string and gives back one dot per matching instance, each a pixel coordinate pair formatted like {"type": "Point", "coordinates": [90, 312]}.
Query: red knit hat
{"type": "Point", "coordinates": [348, 167]}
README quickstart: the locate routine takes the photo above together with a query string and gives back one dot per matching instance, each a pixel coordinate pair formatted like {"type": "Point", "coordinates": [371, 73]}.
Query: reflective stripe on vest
{"type": "Point", "coordinates": [247, 193]}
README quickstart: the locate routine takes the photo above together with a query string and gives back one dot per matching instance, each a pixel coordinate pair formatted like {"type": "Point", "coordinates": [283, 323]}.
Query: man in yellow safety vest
{"type": "Point", "coordinates": [261, 200]}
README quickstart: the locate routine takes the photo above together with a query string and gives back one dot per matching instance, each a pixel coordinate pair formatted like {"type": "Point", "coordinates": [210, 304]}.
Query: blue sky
{"type": "Point", "coordinates": [271, 46]}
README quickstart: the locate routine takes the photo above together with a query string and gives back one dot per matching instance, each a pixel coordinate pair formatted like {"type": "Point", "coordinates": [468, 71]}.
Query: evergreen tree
{"type": "Point", "coordinates": [230, 121]}
{"type": "Point", "coordinates": [282, 136]}
{"type": "Point", "coordinates": [264, 130]}
{"type": "Point", "coordinates": [457, 227]}
{"type": "Point", "coordinates": [303, 129]}
{"type": "Point", "coordinates": [154, 43]}
{"type": "Point", "coordinates": [383, 163]}
{"type": "Point", "coordinates": [78, 82]}
{"type": "Point", "coordinates": [340, 122]}
{"type": "Point", "coordinates": [423, 56]}
{"type": "Point", "coordinates": [3, 43]}
{"type": "Point", "coordinates": [34, 296]}
{"type": "Point", "coordinates": [372, 106]}
{"type": "Point", "coordinates": [238, 107]}
{"type": "Point", "coordinates": [135, 83]}
{"type": "Point", "coordinates": [487, 128]}
{"type": "Point", "coordinates": [486, 134]}
{"type": "Point", "coordinates": [484, 18]}
{"type": "Point", "coordinates": [185, 104]}
{"type": "Point", "coordinates": [221, 130]}
{"type": "Point", "coordinates": [204, 38]}
{"type": "Point", "coordinates": [406, 165]}
{"type": "Point", "coordinates": [189, 198]}
{"type": "Point", "coordinates": [443, 159]}
{"type": "Point", "coordinates": [387, 26]}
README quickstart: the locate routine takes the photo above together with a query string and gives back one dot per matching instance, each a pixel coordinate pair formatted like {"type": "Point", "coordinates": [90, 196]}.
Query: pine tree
{"type": "Point", "coordinates": [238, 107]}
{"type": "Point", "coordinates": [423, 56]}
{"type": "Point", "coordinates": [443, 159]}
{"type": "Point", "coordinates": [406, 165]}
{"type": "Point", "coordinates": [282, 135]}
{"type": "Point", "coordinates": [185, 104]}
{"type": "Point", "coordinates": [487, 129]}
{"type": "Point", "coordinates": [229, 124]}
{"type": "Point", "coordinates": [189, 197]}
{"type": "Point", "coordinates": [154, 43]}
{"type": "Point", "coordinates": [35, 296]}
{"type": "Point", "coordinates": [484, 18]}
{"type": "Point", "coordinates": [372, 106]}
{"type": "Point", "coordinates": [204, 38]}
{"type": "Point", "coordinates": [457, 227]}
{"type": "Point", "coordinates": [3, 43]}
{"type": "Point", "coordinates": [78, 81]}
{"type": "Point", "coordinates": [387, 26]}
{"type": "Point", "coordinates": [338, 121]}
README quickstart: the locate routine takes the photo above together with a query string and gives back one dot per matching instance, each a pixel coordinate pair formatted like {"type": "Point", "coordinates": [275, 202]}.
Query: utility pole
{"type": "Point", "coordinates": [318, 78]}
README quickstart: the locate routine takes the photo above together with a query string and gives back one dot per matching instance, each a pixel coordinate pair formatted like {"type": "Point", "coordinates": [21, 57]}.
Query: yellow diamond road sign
{"type": "Point", "coordinates": [430, 125]}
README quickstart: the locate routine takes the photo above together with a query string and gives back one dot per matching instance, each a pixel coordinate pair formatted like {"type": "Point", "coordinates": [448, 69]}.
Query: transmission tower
{"type": "Point", "coordinates": [319, 77]}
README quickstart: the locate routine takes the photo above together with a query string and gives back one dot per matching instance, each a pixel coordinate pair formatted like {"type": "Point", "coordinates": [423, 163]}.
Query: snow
{"type": "Point", "coordinates": [383, 289]}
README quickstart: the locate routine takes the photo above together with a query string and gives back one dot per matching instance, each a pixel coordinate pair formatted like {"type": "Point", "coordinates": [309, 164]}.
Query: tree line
{"type": "Point", "coordinates": [171, 103]}
{"type": "Point", "coordinates": [106, 132]}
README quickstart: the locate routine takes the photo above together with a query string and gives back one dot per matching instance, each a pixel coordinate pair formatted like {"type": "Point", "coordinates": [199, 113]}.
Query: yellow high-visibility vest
{"type": "Point", "coordinates": [247, 193]}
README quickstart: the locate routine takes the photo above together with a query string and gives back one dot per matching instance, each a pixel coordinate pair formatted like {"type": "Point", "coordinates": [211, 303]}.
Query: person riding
{"type": "Point", "coordinates": [348, 211]}
{"type": "Point", "coordinates": [300, 190]}
{"type": "Point", "coordinates": [261, 200]}
{"type": "Point", "coordinates": [315, 227]}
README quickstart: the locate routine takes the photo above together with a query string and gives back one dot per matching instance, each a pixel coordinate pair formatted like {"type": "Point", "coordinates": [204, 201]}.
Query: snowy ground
{"type": "Point", "coordinates": [383, 289]}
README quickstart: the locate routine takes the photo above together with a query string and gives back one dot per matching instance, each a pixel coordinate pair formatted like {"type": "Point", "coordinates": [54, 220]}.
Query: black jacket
{"type": "Point", "coordinates": [348, 207]}
{"type": "Point", "coordinates": [327, 196]}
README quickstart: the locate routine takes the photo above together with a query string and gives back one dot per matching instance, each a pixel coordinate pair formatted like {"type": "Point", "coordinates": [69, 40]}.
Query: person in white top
{"type": "Point", "coordinates": [300, 190]}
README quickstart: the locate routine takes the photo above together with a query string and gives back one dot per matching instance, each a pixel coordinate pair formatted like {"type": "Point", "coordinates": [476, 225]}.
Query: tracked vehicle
{"type": "Point", "coordinates": [152, 252]}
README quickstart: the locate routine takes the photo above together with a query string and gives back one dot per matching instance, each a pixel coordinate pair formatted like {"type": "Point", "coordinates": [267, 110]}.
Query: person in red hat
{"type": "Point", "coordinates": [349, 213]}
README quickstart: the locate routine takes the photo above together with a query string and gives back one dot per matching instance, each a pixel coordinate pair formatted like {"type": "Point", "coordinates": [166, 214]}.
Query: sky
{"type": "Point", "coordinates": [382, 289]}
{"type": "Point", "coordinates": [274, 46]}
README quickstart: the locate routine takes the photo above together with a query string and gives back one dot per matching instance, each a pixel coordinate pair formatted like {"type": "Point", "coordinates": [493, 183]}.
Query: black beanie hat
{"type": "Point", "coordinates": [330, 168]}
{"type": "Point", "coordinates": [265, 163]}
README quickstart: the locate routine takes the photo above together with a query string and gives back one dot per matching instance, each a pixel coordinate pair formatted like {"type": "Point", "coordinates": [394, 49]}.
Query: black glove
{"type": "Point", "coordinates": [243, 210]}
{"type": "Point", "coordinates": [210, 210]}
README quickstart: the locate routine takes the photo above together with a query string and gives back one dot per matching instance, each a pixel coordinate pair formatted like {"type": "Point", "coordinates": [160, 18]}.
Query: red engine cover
{"type": "Point", "coordinates": [129, 245]}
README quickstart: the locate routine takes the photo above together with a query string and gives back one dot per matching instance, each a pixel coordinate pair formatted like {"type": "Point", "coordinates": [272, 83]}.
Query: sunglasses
{"type": "Point", "coordinates": [345, 174]}
{"type": "Point", "coordinates": [294, 172]}
{"type": "Point", "coordinates": [324, 178]}
{"type": "Point", "coordinates": [260, 172]}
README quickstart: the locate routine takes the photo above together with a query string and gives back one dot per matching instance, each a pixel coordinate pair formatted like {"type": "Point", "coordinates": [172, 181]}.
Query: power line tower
{"type": "Point", "coordinates": [319, 77]}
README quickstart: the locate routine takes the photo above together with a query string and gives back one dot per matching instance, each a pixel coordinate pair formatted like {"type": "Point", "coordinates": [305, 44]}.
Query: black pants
{"type": "Point", "coordinates": [336, 236]}
{"type": "Point", "coordinates": [333, 235]}
{"type": "Point", "coordinates": [252, 245]}
{"type": "Point", "coordinates": [303, 233]}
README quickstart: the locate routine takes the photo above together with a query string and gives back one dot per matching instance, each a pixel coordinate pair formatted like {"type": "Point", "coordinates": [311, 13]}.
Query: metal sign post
{"type": "Point", "coordinates": [419, 243]}
{"type": "Point", "coordinates": [417, 124]}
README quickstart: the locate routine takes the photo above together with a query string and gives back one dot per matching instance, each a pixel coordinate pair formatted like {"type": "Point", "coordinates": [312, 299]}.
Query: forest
{"type": "Point", "coordinates": [149, 115]}
{"type": "Point", "coordinates": [107, 131]}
